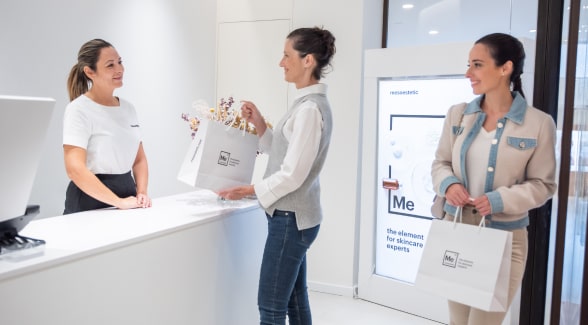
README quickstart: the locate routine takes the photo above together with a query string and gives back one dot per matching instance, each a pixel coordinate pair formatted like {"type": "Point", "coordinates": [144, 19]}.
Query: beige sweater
{"type": "Point", "coordinates": [521, 168]}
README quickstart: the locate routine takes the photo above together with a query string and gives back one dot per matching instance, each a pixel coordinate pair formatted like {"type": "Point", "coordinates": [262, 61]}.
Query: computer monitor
{"type": "Point", "coordinates": [23, 129]}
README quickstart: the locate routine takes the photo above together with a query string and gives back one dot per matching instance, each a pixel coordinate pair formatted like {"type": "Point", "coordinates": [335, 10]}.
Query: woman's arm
{"type": "Point", "coordinates": [445, 182]}
{"type": "Point", "coordinates": [252, 115]}
{"type": "Point", "coordinates": [141, 174]}
{"type": "Point", "coordinates": [303, 131]}
{"type": "Point", "coordinates": [539, 184]}
{"type": "Point", "coordinates": [75, 167]}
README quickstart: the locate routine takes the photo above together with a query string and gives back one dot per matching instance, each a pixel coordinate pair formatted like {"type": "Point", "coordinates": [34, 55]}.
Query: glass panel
{"type": "Point", "coordinates": [418, 22]}
{"type": "Point", "coordinates": [425, 22]}
{"type": "Point", "coordinates": [575, 238]}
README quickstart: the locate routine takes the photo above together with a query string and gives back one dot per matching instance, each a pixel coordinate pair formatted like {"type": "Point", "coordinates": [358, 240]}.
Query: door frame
{"type": "Point", "coordinates": [395, 63]}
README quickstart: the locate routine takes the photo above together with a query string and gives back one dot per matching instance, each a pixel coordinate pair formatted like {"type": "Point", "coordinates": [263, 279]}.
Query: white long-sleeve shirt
{"type": "Point", "coordinates": [303, 131]}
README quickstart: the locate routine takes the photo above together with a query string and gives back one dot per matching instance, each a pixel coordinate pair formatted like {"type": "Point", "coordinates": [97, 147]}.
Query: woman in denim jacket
{"type": "Point", "coordinates": [496, 157]}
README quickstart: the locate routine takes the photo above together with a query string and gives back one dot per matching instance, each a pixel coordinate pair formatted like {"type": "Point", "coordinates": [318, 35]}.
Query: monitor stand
{"type": "Point", "coordinates": [15, 246]}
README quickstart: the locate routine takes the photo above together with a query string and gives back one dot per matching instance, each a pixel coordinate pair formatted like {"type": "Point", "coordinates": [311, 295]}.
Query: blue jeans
{"type": "Point", "coordinates": [282, 280]}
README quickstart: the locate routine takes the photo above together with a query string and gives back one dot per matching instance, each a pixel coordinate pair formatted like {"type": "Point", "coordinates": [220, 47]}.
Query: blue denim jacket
{"type": "Point", "coordinates": [521, 166]}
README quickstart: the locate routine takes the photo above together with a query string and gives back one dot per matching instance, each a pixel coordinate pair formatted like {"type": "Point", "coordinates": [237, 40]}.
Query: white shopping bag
{"type": "Point", "coordinates": [219, 157]}
{"type": "Point", "coordinates": [467, 264]}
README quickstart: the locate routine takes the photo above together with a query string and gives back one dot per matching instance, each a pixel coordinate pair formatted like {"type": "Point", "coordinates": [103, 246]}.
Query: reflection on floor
{"type": "Point", "coordinates": [328, 309]}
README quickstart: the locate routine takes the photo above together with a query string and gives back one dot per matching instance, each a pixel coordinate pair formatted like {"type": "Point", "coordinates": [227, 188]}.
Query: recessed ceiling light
{"type": "Point", "coordinates": [407, 6]}
{"type": "Point", "coordinates": [433, 32]}
{"type": "Point", "coordinates": [533, 31]}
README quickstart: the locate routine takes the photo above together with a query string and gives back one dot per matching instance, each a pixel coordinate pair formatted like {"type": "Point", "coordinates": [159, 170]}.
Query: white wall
{"type": "Point", "coordinates": [331, 260]}
{"type": "Point", "coordinates": [167, 47]}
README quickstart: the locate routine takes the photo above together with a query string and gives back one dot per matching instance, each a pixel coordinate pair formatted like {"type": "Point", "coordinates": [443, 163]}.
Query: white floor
{"type": "Point", "coordinates": [328, 309]}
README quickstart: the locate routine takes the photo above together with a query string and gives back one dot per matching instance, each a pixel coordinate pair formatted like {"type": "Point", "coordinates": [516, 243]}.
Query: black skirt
{"type": "Point", "coordinates": [123, 185]}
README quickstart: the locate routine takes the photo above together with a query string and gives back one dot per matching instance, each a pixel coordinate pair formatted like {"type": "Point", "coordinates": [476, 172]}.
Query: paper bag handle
{"type": "Point", "coordinates": [459, 214]}
{"type": "Point", "coordinates": [242, 124]}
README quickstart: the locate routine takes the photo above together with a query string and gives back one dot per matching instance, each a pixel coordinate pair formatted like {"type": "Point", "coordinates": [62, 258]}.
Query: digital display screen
{"type": "Point", "coordinates": [411, 113]}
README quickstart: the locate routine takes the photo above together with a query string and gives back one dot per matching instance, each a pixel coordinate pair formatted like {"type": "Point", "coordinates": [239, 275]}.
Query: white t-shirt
{"type": "Point", "coordinates": [110, 134]}
{"type": "Point", "coordinates": [477, 161]}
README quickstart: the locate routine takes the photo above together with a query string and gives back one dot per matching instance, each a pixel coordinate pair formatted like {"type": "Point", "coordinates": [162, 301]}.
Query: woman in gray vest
{"type": "Point", "coordinates": [290, 190]}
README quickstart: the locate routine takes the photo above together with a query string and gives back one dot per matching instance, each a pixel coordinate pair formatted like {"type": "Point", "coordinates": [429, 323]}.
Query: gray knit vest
{"type": "Point", "coordinates": [304, 201]}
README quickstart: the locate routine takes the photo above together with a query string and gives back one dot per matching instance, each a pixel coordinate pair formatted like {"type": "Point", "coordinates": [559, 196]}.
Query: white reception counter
{"type": "Point", "coordinates": [190, 259]}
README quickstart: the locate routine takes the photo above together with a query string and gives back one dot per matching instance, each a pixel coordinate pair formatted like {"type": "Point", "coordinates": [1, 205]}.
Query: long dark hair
{"type": "Point", "coordinates": [503, 48]}
{"type": "Point", "coordinates": [316, 41]}
{"type": "Point", "coordinates": [77, 82]}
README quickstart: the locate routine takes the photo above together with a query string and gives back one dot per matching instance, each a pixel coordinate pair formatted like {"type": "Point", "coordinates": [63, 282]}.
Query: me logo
{"type": "Point", "coordinates": [450, 258]}
{"type": "Point", "coordinates": [223, 158]}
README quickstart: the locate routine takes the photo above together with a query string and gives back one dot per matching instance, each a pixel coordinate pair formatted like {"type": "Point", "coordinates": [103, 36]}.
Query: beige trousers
{"type": "Point", "coordinates": [460, 314]}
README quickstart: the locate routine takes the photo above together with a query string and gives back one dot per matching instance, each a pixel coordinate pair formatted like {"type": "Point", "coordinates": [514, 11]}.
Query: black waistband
{"type": "Point", "coordinates": [113, 176]}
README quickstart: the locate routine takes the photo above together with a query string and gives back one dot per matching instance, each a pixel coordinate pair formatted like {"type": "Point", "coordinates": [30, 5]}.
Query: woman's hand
{"type": "Point", "coordinates": [133, 202]}
{"type": "Point", "coordinates": [129, 202]}
{"type": "Point", "coordinates": [457, 195]}
{"type": "Point", "coordinates": [236, 193]}
{"type": "Point", "coordinates": [143, 200]}
{"type": "Point", "coordinates": [482, 204]}
{"type": "Point", "coordinates": [252, 115]}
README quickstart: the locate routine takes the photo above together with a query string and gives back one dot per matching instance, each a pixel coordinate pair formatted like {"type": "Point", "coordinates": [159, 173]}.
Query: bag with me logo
{"type": "Point", "coordinates": [219, 157]}
{"type": "Point", "coordinates": [467, 264]}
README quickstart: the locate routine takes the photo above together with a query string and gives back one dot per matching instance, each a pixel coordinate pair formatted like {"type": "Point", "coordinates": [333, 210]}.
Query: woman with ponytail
{"type": "Point", "coordinates": [102, 146]}
{"type": "Point", "coordinates": [496, 158]}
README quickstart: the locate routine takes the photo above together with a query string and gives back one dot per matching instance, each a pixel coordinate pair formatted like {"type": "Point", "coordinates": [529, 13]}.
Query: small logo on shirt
{"type": "Point", "coordinates": [134, 125]}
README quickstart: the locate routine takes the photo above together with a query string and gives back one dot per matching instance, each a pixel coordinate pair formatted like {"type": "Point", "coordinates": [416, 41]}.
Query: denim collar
{"type": "Point", "coordinates": [517, 109]}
